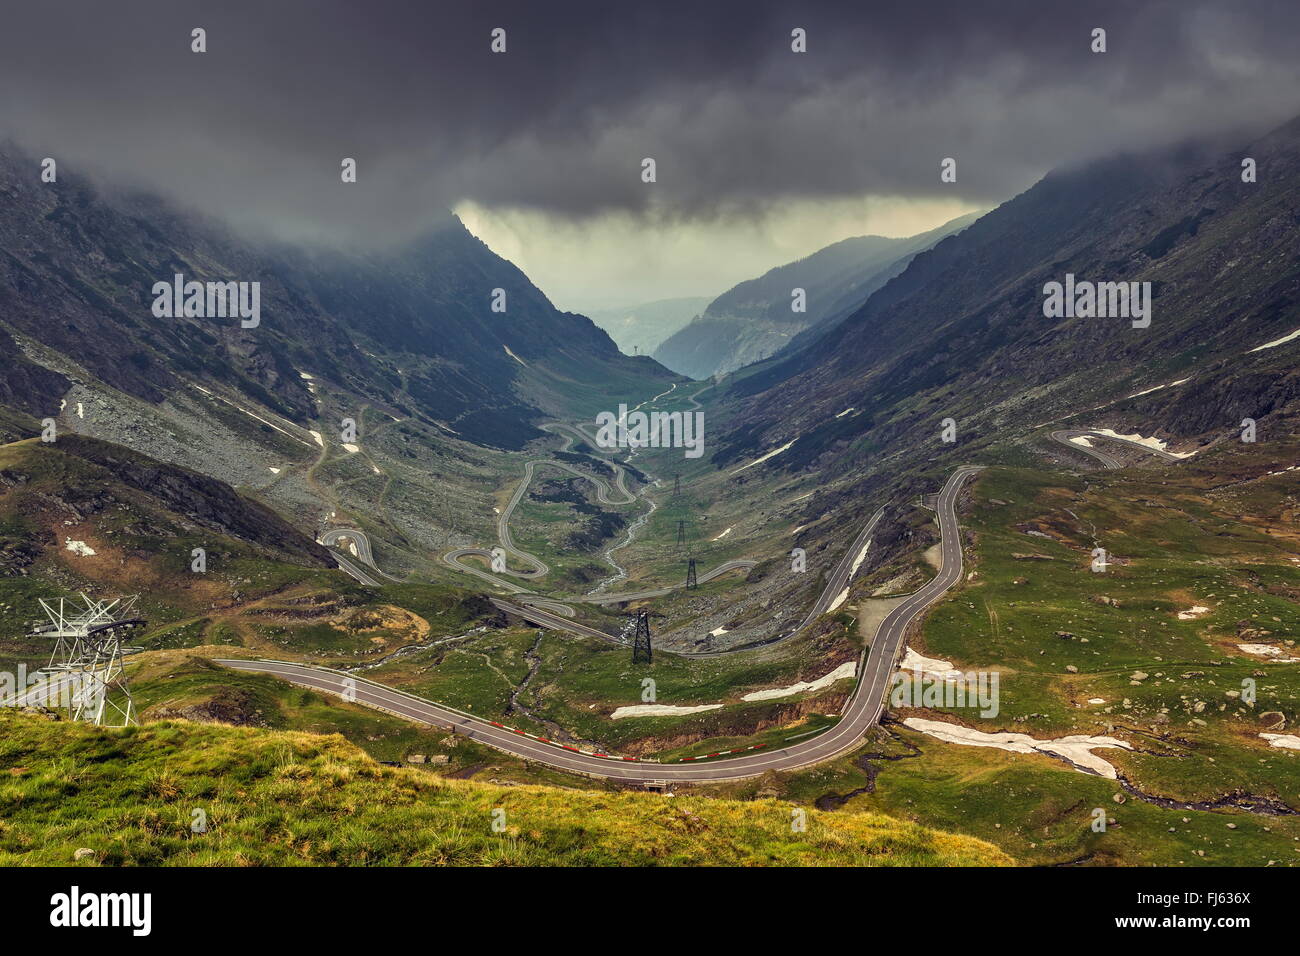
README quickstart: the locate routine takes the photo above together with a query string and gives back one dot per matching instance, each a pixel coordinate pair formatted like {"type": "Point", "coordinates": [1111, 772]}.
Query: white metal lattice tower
{"type": "Point", "coordinates": [85, 671]}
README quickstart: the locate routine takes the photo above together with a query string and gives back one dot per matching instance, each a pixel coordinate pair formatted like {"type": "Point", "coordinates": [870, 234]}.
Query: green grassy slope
{"type": "Point", "coordinates": [283, 798]}
{"type": "Point", "coordinates": [1082, 652]}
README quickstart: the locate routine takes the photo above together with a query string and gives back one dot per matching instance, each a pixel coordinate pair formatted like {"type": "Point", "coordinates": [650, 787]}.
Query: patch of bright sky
{"type": "Point", "coordinates": [620, 259]}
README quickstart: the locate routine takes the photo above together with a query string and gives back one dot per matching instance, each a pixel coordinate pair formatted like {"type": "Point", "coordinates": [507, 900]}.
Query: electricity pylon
{"type": "Point", "coordinates": [85, 667]}
{"type": "Point", "coordinates": [641, 651]}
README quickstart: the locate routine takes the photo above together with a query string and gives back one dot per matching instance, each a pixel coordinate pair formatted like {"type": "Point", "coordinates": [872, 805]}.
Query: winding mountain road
{"type": "Point", "coordinates": [863, 709]}
{"type": "Point", "coordinates": [361, 543]}
{"type": "Point", "coordinates": [456, 557]}
{"type": "Point", "coordinates": [538, 568]}
{"type": "Point", "coordinates": [1067, 436]}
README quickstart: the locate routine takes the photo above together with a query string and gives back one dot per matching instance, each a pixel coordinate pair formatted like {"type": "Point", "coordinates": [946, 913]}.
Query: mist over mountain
{"type": "Point", "coordinates": [642, 327]}
{"type": "Point", "coordinates": [756, 318]}
{"type": "Point", "coordinates": [961, 332]}
{"type": "Point", "coordinates": [414, 330]}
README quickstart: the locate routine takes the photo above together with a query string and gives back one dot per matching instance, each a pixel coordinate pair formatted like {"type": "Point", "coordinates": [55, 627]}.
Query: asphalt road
{"type": "Point", "coordinates": [537, 613]}
{"type": "Point", "coordinates": [860, 713]}
{"type": "Point", "coordinates": [503, 520]}
{"type": "Point", "coordinates": [41, 691]}
{"type": "Point", "coordinates": [1064, 435]}
{"type": "Point", "coordinates": [348, 567]}
{"type": "Point", "coordinates": [704, 578]}
{"type": "Point", "coordinates": [364, 556]}
{"type": "Point", "coordinates": [455, 558]}
{"type": "Point", "coordinates": [536, 610]}
{"type": "Point", "coordinates": [839, 578]}
{"type": "Point", "coordinates": [551, 613]}
{"type": "Point", "coordinates": [538, 568]}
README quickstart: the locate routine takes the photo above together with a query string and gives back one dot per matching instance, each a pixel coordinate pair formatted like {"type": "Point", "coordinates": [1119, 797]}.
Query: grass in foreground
{"type": "Point", "coordinates": [283, 798]}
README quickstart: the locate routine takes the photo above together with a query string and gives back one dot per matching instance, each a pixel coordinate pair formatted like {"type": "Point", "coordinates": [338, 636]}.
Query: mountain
{"type": "Point", "coordinates": [640, 328]}
{"type": "Point", "coordinates": [87, 489]}
{"type": "Point", "coordinates": [79, 514]}
{"type": "Point", "coordinates": [755, 319]}
{"type": "Point", "coordinates": [961, 332]}
{"type": "Point", "coordinates": [412, 331]}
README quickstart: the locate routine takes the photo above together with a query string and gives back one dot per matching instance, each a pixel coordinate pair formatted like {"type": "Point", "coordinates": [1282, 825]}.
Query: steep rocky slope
{"type": "Point", "coordinates": [82, 490]}
{"type": "Point", "coordinates": [413, 330]}
{"type": "Point", "coordinates": [961, 333]}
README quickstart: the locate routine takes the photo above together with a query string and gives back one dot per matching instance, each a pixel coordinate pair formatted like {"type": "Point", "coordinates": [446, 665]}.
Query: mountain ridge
{"type": "Point", "coordinates": [755, 318]}
{"type": "Point", "coordinates": [414, 330]}
{"type": "Point", "coordinates": [965, 317]}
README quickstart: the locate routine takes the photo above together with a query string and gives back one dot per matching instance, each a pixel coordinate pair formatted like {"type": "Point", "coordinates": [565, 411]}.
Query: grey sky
{"type": "Point", "coordinates": [761, 153]}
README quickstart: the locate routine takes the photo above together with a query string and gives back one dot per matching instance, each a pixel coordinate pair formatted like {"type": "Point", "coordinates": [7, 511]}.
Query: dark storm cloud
{"type": "Point", "coordinates": [255, 128]}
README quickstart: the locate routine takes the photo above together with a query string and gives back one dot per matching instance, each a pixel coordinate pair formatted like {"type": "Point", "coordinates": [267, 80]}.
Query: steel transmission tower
{"type": "Point", "coordinates": [691, 583]}
{"type": "Point", "coordinates": [85, 667]}
{"type": "Point", "coordinates": [641, 651]}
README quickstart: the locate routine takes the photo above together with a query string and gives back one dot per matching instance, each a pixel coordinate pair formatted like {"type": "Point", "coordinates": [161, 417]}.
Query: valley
{"type": "Point", "coordinates": [895, 542]}
{"type": "Point", "coordinates": [546, 700]}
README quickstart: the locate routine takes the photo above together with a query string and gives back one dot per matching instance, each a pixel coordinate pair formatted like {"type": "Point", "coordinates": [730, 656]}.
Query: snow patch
{"type": "Point", "coordinates": [857, 563]}
{"type": "Point", "coordinates": [660, 710]}
{"type": "Point", "coordinates": [929, 666]}
{"type": "Point", "coordinates": [518, 359]}
{"type": "Point", "coordinates": [1192, 613]}
{"type": "Point", "coordinates": [1077, 748]}
{"type": "Point", "coordinates": [847, 669]}
{"type": "Point", "coordinates": [79, 547]}
{"type": "Point", "coordinates": [723, 535]}
{"type": "Point", "coordinates": [319, 439]}
{"type": "Point", "coordinates": [1286, 741]}
{"type": "Point", "coordinates": [843, 596]}
{"type": "Point", "coordinates": [845, 412]}
{"type": "Point", "coordinates": [1156, 388]}
{"type": "Point", "coordinates": [350, 449]}
{"type": "Point", "coordinates": [259, 418]}
{"type": "Point", "coordinates": [1270, 651]}
{"type": "Point", "coordinates": [1276, 342]}
{"type": "Point", "coordinates": [1137, 439]}
{"type": "Point", "coordinates": [770, 454]}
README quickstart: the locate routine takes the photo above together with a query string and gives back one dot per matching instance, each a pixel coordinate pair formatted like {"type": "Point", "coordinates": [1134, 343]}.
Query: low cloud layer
{"type": "Point", "coordinates": [255, 128]}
